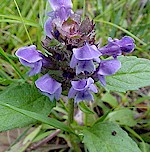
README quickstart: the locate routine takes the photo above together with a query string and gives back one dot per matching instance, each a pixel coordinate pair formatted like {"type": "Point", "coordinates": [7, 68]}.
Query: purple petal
{"type": "Point", "coordinates": [86, 52]}
{"type": "Point", "coordinates": [51, 96]}
{"type": "Point", "coordinates": [102, 80]}
{"type": "Point", "coordinates": [72, 93]}
{"type": "Point", "coordinates": [97, 60]}
{"type": "Point", "coordinates": [111, 49]}
{"type": "Point", "coordinates": [109, 67]}
{"type": "Point", "coordinates": [57, 4]}
{"type": "Point", "coordinates": [82, 84]}
{"type": "Point", "coordinates": [36, 69]}
{"type": "Point", "coordinates": [89, 81]}
{"type": "Point", "coordinates": [47, 84]}
{"type": "Point", "coordinates": [126, 44]}
{"type": "Point", "coordinates": [29, 54]}
{"type": "Point", "coordinates": [58, 93]}
{"type": "Point", "coordinates": [84, 95]}
{"type": "Point", "coordinates": [25, 63]}
{"type": "Point", "coordinates": [51, 14]}
{"type": "Point", "coordinates": [63, 13]}
{"type": "Point", "coordinates": [73, 62]}
{"type": "Point", "coordinates": [93, 88]}
{"type": "Point", "coordinates": [79, 85]}
{"type": "Point", "coordinates": [48, 27]}
{"type": "Point", "coordinates": [85, 65]}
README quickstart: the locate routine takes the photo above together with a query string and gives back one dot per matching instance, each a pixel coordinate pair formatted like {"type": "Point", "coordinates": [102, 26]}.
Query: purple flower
{"type": "Point", "coordinates": [82, 89]}
{"type": "Point", "coordinates": [57, 4]}
{"type": "Point", "coordinates": [49, 87]}
{"type": "Point", "coordinates": [30, 57]}
{"type": "Point", "coordinates": [126, 44]}
{"type": "Point", "coordinates": [117, 47]}
{"type": "Point", "coordinates": [106, 68]}
{"type": "Point", "coordinates": [62, 9]}
{"type": "Point", "coordinates": [83, 58]}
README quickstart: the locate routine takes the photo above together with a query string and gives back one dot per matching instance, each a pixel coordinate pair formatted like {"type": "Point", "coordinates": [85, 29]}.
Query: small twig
{"type": "Point", "coordinates": [45, 140]}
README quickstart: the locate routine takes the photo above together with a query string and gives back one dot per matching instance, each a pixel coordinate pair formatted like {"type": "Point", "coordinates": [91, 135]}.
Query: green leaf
{"type": "Point", "coordinates": [84, 108]}
{"type": "Point", "coordinates": [134, 74]}
{"type": "Point", "coordinates": [144, 148]}
{"type": "Point", "coordinates": [50, 121]}
{"type": "Point", "coordinates": [122, 117]}
{"type": "Point", "coordinates": [22, 96]}
{"type": "Point", "coordinates": [108, 137]}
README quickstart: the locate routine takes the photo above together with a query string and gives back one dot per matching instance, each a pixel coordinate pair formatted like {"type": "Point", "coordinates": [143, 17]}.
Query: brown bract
{"type": "Point", "coordinates": [73, 31]}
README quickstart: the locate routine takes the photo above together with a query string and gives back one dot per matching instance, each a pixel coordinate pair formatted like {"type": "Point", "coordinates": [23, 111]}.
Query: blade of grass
{"type": "Point", "coordinates": [31, 14]}
{"type": "Point", "coordinates": [11, 62]}
{"type": "Point", "coordinates": [122, 29]}
{"type": "Point", "coordinates": [41, 12]}
{"type": "Point", "coordinates": [84, 7]}
{"type": "Point", "coordinates": [105, 11]}
{"type": "Point", "coordinates": [16, 19]}
{"type": "Point", "coordinates": [13, 36]}
{"type": "Point", "coordinates": [23, 21]}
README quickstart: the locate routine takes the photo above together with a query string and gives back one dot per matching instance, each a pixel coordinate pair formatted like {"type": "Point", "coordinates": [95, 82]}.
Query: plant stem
{"type": "Point", "coordinates": [73, 139]}
{"type": "Point", "coordinates": [70, 111]}
{"type": "Point", "coordinates": [85, 118]}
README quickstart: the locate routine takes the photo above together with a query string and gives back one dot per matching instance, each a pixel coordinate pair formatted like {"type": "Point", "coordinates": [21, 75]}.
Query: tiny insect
{"type": "Point", "coordinates": [114, 133]}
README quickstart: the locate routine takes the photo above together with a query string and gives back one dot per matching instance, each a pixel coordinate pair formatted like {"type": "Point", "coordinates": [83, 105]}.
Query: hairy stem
{"type": "Point", "coordinates": [70, 111]}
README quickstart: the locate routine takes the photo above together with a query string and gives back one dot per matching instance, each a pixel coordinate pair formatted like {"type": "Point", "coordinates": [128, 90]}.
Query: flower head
{"type": "Point", "coordinates": [62, 9]}
{"type": "Point", "coordinates": [106, 68]}
{"type": "Point", "coordinates": [30, 57]}
{"type": "Point", "coordinates": [117, 47]}
{"type": "Point", "coordinates": [49, 87]}
{"type": "Point", "coordinates": [82, 89]}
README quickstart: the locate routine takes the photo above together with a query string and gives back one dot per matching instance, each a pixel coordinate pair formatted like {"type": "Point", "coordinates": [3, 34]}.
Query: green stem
{"type": "Point", "coordinates": [70, 111]}
{"type": "Point", "coordinates": [85, 119]}
{"type": "Point", "coordinates": [73, 139]}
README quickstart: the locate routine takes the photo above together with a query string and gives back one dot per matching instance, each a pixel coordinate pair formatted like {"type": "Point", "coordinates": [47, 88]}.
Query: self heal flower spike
{"type": "Point", "coordinates": [30, 57]}
{"type": "Point", "coordinates": [74, 63]}
{"type": "Point", "coordinates": [83, 58]}
{"type": "Point", "coordinates": [49, 87]}
{"type": "Point", "coordinates": [82, 90]}
{"type": "Point", "coordinates": [106, 68]}
{"type": "Point", "coordinates": [117, 47]}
